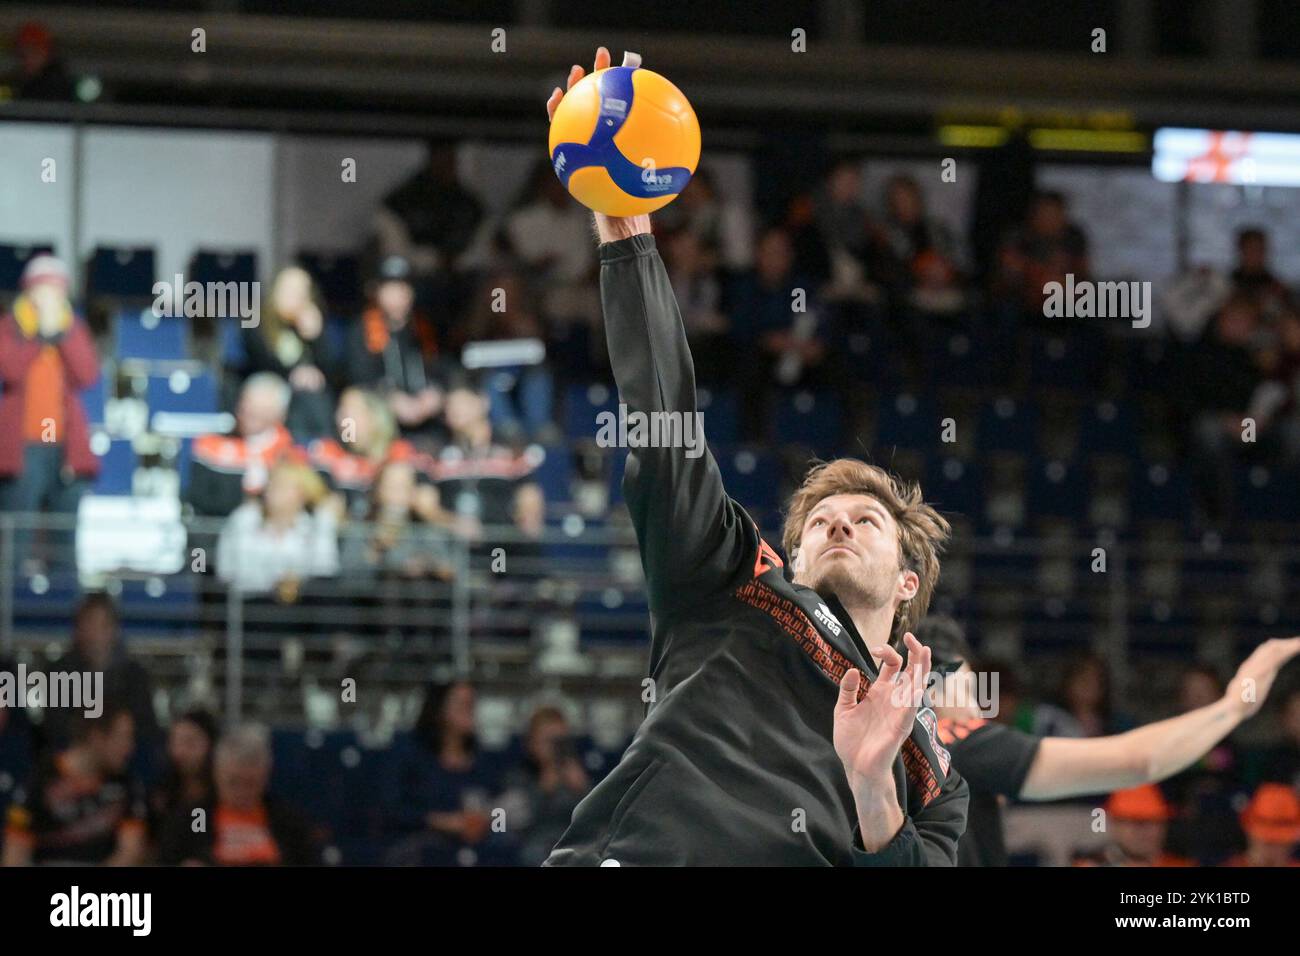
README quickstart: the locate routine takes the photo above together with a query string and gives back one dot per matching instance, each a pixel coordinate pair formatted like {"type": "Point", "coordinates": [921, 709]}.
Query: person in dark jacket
{"type": "Point", "coordinates": [47, 359]}
{"type": "Point", "coordinates": [244, 825]}
{"type": "Point", "coordinates": [762, 742]}
{"type": "Point", "coordinates": [187, 776]}
{"type": "Point", "coordinates": [290, 341]}
{"type": "Point", "coordinates": [97, 646]}
{"type": "Point", "coordinates": [999, 761]}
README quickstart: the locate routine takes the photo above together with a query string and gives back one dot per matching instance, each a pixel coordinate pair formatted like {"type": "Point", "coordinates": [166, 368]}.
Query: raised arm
{"type": "Point", "coordinates": [1066, 767]}
{"type": "Point", "coordinates": [693, 539]}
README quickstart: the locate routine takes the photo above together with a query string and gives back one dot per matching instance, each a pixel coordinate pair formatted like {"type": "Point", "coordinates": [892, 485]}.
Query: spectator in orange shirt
{"type": "Point", "coordinates": [82, 807]}
{"type": "Point", "coordinates": [1271, 822]}
{"type": "Point", "coordinates": [1136, 820]}
{"type": "Point", "coordinates": [246, 826]}
{"type": "Point", "coordinates": [47, 358]}
{"type": "Point", "coordinates": [230, 468]}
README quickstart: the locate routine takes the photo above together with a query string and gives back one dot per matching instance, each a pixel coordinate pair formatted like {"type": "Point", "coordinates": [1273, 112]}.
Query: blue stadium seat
{"type": "Point", "coordinates": [143, 335]}
{"type": "Point", "coordinates": [752, 476]}
{"type": "Point", "coordinates": [337, 276]}
{"type": "Point", "coordinates": [1061, 360]}
{"type": "Point", "coordinates": [1160, 491]}
{"type": "Point", "coordinates": [583, 404]}
{"type": "Point", "coordinates": [1108, 428]}
{"type": "Point", "coordinates": [1267, 494]}
{"type": "Point", "coordinates": [721, 410]}
{"type": "Point", "coordinates": [960, 360]}
{"type": "Point", "coordinates": [907, 421]}
{"type": "Point", "coordinates": [121, 272]}
{"type": "Point", "coordinates": [182, 393]}
{"type": "Point", "coordinates": [955, 487]}
{"type": "Point", "coordinates": [1058, 490]}
{"type": "Point", "coordinates": [12, 260]}
{"type": "Point", "coordinates": [117, 469]}
{"type": "Point", "coordinates": [211, 266]}
{"type": "Point", "coordinates": [1008, 425]}
{"type": "Point", "coordinates": [93, 400]}
{"type": "Point", "coordinates": [811, 419]}
{"type": "Point", "coordinates": [555, 473]}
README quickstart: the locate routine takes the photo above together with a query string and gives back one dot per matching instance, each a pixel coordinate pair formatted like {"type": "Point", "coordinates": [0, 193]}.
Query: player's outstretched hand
{"type": "Point", "coordinates": [869, 732]}
{"type": "Point", "coordinates": [1254, 678]}
{"type": "Point", "coordinates": [610, 228]}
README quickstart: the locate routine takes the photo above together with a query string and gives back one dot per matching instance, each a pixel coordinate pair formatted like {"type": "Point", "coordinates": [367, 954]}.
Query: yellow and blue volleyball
{"type": "Point", "coordinates": [624, 141]}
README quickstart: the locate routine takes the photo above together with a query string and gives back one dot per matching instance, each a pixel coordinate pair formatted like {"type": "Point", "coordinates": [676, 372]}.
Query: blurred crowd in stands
{"type": "Point", "coordinates": [382, 429]}
{"type": "Point", "coordinates": [118, 788]}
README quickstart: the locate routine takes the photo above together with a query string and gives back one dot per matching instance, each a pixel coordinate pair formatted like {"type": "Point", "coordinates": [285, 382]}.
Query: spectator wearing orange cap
{"type": "Point", "coordinates": [1271, 822]}
{"type": "Point", "coordinates": [1137, 820]}
{"type": "Point", "coordinates": [41, 74]}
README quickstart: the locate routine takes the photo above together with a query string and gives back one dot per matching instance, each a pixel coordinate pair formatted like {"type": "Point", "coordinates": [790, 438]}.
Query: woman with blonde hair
{"type": "Point", "coordinates": [290, 341]}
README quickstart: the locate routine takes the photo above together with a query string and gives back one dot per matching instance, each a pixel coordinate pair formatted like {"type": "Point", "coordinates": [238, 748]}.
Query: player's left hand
{"type": "Point", "coordinates": [1254, 678]}
{"type": "Point", "coordinates": [869, 732]}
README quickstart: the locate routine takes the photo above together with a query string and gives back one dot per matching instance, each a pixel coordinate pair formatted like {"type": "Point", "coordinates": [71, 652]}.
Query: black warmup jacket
{"type": "Point", "coordinates": [733, 764]}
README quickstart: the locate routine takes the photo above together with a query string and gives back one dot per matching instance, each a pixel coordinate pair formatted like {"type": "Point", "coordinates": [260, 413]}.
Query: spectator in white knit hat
{"type": "Point", "coordinates": [47, 358]}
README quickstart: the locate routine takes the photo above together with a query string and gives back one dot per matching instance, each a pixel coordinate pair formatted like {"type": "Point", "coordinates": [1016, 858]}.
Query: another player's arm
{"type": "Point", "coordinates": [1067, 767]}
{"type": "Point", "coordinates": [692, 537]}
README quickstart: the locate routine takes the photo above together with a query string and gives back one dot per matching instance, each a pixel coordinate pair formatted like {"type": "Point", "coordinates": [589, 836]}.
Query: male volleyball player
{"type": "Point", "coordinates": [763, 743]}
{"type": "Point", "coordinates": [998, 760]}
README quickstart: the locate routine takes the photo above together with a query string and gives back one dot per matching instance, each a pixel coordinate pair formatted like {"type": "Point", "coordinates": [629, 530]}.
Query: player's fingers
{"type": "Point", "coordinates": [849, 683]}
{"type": "Point", "coordinates": [890, 663]}
{"type": "Point", "coordinates": [602, 58]}
{"type": "Point", "coordinates": [554, 101]}
{"type": "Point", "coordinates": [575, 74]}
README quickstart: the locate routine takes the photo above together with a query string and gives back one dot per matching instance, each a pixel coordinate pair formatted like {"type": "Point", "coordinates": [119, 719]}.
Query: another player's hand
{"type": "Point", "coordinates": [610, 228]}
{"type": "Point", "coordinates": [1254, 678]}
{"type": "Point", "coordinates": [869, 732]}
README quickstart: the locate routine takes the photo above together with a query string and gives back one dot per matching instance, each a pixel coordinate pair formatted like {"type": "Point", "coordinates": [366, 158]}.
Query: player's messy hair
{"type": "Point", "coordinates": [922, 531]}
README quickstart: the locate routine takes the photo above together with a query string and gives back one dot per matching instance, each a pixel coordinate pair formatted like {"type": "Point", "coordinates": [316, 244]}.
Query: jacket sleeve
{"type": "Point", "coordinates": [693, 538]}
{"type": "Point", "coordinates": [927, 837]}
{"type": "Point", "coordinates": [16, 352]}
{"type": "Point", "coordinates": [77, 350]}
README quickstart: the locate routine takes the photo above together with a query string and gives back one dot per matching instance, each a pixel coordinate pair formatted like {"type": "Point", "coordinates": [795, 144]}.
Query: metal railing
{"type": "Point", "coordinates": [567, 607]}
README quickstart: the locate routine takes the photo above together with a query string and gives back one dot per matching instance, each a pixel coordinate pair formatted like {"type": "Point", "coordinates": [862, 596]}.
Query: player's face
{"type": "Point", "coordinates": [850, 547]}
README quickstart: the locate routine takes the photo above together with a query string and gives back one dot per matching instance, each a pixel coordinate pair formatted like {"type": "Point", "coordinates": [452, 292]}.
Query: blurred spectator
{"type": "Point", "coordinates": [99, 647]}
{"type": "Point", "coordinates": [777, 320]}
{"type": "Point", "coordinates": [1083, 704]}
{"type": "Point", "coordinates": [550, 235]}
{"type": "Point", "coordinates": [41, 74]}
{"type": "Point", "coordinates": [246, 825]}
{"type": "Point", "coordinates": [393, 350]}
{"type": "Point", "coordinates": [16, 747]}
{"type": "Point", "coordinates": [478, 478]}
{"type": "Point", "coordinates": [444, 786]}
{"type": "Point", "coordinates": [366, 441]}
{"type": "Point", "coordinates": [1046, 248]}
{"type": "Point", "coordinates": [289, 342]}
{"type": "Point", "coordinates": [722, 230]}
{"type": "Point", "coordinates": [396, 542]}
{"type": "Point", "coordinates": [431, 218]}
{"type": "Point", "coordinates": [187, 777]}
{"type": "Point", "coordinates": [229, 468]}
{"type": "Point", "coordinates": [81, 806]}
{"type": "Point", "coordinates": [1218, 381]}
{"type": "Point", "coordinates": [548, 786]}
{"type": "Point", "coordinates": [847, 230]}
{"type": "Point", "coordinates": [699, 298]}
{"type": "Point", "coordinates": [916, 254]}
{"type": "Point", "coordinates": [521, 395]}
{"type": "Point", "coordinates": [1136, 822]}
{"type": "Point", "coordinates": [47, 358]}
{"type": "Point", "coordinates": [1275, 403]}
{"type": "Point", "coordinates": [1271, 822]}
{"type": "Point", "coordinates": [1280, 763]}
{"type": "Point", "coordinates": [288, 536]}
{"type": "Point", "coordinates": [1204, 827]}
{"type": "Point", "coordinates": [1253, 278]}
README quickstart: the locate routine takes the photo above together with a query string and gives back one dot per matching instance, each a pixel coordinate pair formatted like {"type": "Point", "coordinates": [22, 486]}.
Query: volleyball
{"type": "Point", "coordinates": [624, 141]}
